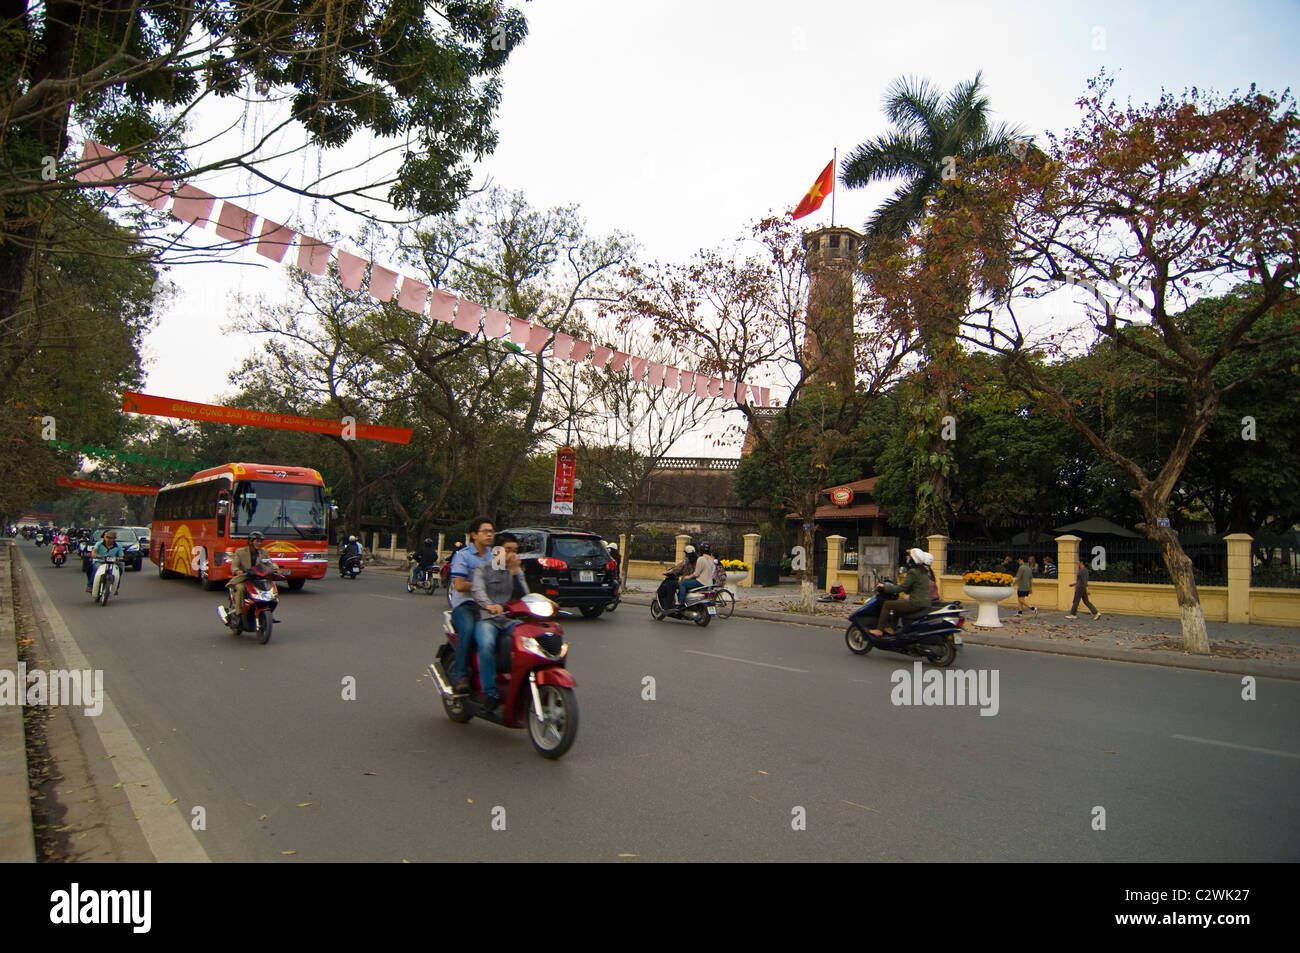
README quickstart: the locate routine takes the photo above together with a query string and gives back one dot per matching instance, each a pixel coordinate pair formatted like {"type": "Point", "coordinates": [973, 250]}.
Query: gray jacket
{"type": "Point", "coordinates": [496, 587]}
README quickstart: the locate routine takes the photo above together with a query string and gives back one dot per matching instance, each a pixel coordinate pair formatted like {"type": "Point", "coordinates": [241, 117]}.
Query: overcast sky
{"type": "Point", "coordinates": [681, 122]}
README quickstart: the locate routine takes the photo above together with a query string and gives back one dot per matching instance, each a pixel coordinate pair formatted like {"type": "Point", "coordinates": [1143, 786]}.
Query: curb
{"type": "Point", "coordinates": [17, 839]}
{"type": "Point", "coordinates": [1219, 664]}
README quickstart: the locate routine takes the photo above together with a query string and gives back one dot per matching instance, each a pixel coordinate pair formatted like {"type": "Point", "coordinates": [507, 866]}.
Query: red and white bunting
{"type": "Point", "coordinates": [274, 240]}
{"type": "Point", "coordinates": [496, 323]}
{"type": "Point", "coordinates": [235, 224]}
{"type": "Point", "coordinates": [383, 283]}
{"type": "Point", "coordinates": [193, 205]}
{"type": "Point", "coordinates": [413, 295]}
{"type": "Point", "coordinates": [351, 270]}
{"type": "Point", "coordinates": [154, 194]}
{"type": "Point", "coordinates": [563, 346]}
{"type": "Point", "coordinates": [443, 305]}
{"type": "Point", "coordinates": [469, 316]}
{"type": "Point", "coordinates": [99, 163]}
{"type": "Point", "coordinates": [537, 338]}
{"type": "Point", "coordinates": [313, 255]}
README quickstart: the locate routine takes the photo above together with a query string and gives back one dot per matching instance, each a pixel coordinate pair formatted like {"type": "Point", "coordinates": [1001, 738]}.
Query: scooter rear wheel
{"type": "Point", "coordinates": [942, 655]}
{"type": "Point", "coordinates": [554, 736]}
{"type": "Point", "coordinates": [702, 618]}
{"type": "Point", "coordinates": [857, 640]}
{"type": "Point", "coordinates": [656, 610]}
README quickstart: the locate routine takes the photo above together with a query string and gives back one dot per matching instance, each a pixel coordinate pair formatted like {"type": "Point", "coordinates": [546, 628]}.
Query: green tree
{"type": "Point", "coordinates": [934, 138]}
{"type": "Point", "coordinates": [418, 74]}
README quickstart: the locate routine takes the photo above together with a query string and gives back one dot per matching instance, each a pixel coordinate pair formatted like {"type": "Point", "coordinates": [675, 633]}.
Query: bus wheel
{"type": "Point", "coordinates": [163, 573]}
{"type": "Point", "coordinates": [207, 583]}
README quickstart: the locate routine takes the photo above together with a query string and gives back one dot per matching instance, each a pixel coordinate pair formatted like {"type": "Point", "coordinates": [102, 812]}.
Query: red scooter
{"type": "Point", "coordinates": [536, 689]}
{"type": "Point", "coordinates": [258, 602]}
{"type": "Point", "coordinates": [59, 554]}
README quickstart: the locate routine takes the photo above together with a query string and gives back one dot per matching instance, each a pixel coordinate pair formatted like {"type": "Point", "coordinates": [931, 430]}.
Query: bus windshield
{"type": "Point", "coordinates": [277, 510]}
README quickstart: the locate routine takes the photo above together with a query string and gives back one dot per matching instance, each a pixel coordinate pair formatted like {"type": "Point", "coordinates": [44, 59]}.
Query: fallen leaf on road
{"type": "Point", "coordinates": [629, 855]}
{"type": "Point", "coordinates": [286, 853]}
{"type": "Point", "coordinates": [117, 785]}
{"type": "Point", "coordinates": [171, 802]}
{"type": "Point", "coordinates": [371, 773]}
{"type": "Point", "coordinates": [305, 804]}
{"type": "Point", "coordinates": [262, 818]}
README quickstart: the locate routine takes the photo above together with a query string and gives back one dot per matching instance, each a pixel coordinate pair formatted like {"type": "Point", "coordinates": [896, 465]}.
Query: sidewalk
{"type": "Point", "coordinates": [1239, 649]}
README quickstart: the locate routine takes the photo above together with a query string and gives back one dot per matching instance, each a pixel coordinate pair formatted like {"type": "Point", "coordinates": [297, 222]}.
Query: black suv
{"type": "Point", "coordinates": [570, 566]}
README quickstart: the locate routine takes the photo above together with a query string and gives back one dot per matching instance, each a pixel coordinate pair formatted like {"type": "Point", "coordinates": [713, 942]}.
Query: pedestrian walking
{"type": "Point", "coordinates": [1080, 587]}
{"type": "Point", "coordinates": [1024, 585]}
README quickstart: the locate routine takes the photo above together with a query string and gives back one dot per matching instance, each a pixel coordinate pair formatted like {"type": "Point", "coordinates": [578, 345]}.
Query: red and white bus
{"type": "Point", "coordinates": [200, 524]}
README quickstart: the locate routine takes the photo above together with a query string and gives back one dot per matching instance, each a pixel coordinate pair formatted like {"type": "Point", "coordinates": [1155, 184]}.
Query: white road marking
{"type": "Point", "coordinates": [164, 827]}
{"type": "Point", "coordinates": [784, 668]}
{"type": "Point", "coordinates": [1229, 744]}
{"type": "Point", "coordinates": [394, 598]}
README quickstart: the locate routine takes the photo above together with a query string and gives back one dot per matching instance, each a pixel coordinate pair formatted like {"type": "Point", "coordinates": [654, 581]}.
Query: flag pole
{"type": "Point", "coordinates": [835, 158]}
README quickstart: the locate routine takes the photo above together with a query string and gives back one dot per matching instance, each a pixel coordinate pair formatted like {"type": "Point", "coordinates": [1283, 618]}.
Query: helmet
{"type": "Point", "coordinates": [919, 557]}
{"type": "Point", "coordinates": [255, 535]}
{"type": "Point", "coordinates": [689, 550]}
{"type": "Point", "coordinates": [428, 541]}
{"type": "Point", "coordinates": [704, 549]}
{"type": "Point", "coordinates": [352, 539]}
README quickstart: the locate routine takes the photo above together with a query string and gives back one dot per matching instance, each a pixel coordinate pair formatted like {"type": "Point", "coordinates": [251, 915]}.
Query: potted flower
{"type": "Point", "coordinates": [988, 589]}
{"type": "Point", "coordinates": [736, 569]}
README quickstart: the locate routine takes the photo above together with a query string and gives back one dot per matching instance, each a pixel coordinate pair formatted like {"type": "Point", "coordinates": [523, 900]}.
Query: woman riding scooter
{"type": "Point", "coordinates": [913, 592]}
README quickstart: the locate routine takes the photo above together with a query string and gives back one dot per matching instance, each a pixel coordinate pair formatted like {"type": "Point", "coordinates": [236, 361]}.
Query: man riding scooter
{"type": "Point", "coordinates": [104, 550]}
{"type": "Point", "coordinates": [492, 588]}
{"type": "Point", "coordinates": [464, 610]}
{"type": "Point", "coordinates": [913, 592]}
{"type": "Point", "coordinates": [242, 563]}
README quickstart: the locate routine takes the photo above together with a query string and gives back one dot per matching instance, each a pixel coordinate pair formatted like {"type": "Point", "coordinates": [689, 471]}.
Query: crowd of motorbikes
{"type": "Point", "coordinates": [537, 693]}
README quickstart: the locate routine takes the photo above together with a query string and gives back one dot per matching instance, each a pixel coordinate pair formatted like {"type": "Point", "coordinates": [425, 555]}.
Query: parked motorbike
{"type": "Point", "coordinates": [701, 604]}
{"type": "Point", "coordinates": [59, 554]}
{"type": "Point", "coordinates": [351, 566]}
{"type": "Point", "coordinates": [108, 579]}
{"type": "Point", "coordinates": [426, 579]}
{"type": "Point", "coordinates": [535, 688]}
{"type": "Point", "coordinates": [934, 635]}
{"type": "Point", "coordinates": [257, 596]}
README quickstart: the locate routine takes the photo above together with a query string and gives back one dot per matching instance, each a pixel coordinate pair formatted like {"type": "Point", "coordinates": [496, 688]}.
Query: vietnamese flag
{"type": "Point", "coordinates": [817, 194]}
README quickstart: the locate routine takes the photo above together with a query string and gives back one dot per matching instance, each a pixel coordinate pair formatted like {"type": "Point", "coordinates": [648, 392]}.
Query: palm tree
{"type": "Point", "coordinates": [929, 131]}
{"type": "Point", "coordinates": [933, 135]}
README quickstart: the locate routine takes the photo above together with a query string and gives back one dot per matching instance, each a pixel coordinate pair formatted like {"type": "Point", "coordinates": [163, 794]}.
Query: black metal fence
{"type": "Point", "coordinates": [1275, 561]}
{"type": "Point", "coordinates": [994, 557]}
{"type": "Point", "coordinates": [659, 549]}
{"type": "Point", "coordinates": [1108, 560]}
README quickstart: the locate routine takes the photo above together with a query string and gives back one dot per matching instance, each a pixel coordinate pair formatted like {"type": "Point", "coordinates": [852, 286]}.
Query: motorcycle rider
{"type": "Point", "coordinates": [243, 561]}
{"type": "Point", "coordinates": [492, 588]}
{"type": "Point", "coordinates": [668, 589]}
{"type": "Point", "coordinates": [464, 610]}
{"type": "Point", "coordinates": [351, 548]}
{"type": "Point", "coordinates": [426, 557]}
{"type": "Point", "coordinates": [913, 592]}
{"type": "Point", "coordinates": [702, 575]}
{"type": "Point", "coordinates": [104, 550]}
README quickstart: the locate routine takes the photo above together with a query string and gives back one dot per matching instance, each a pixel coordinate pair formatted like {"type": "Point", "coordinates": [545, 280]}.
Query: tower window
{"type": "Point", "coordinates": [835, 241]}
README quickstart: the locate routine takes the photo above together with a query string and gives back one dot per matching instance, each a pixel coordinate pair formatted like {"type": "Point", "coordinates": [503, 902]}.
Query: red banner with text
{"type": "Point", "coordinates": [566, 469]}
{"type": "Point", "coordinates": [134, 403]}
{"type": "Point", "coordinates": [109, 487]}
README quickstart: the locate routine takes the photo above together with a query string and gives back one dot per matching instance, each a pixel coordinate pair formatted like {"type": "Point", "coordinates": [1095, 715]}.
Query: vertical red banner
{"type": "Point", "coordinates": [566, 469]}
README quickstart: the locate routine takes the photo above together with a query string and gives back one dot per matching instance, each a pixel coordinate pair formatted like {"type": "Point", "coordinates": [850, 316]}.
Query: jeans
{"type": "Point", "coordinates": [462, 620]}
{"type": "Point", "coordinates": [416, 569]}
{"type": "Point", "coordinates": [486, 634]}
{"type": "Point", "coordinates": [685, 586]}
{"type": "Point", "coordinates": [1082, 594]}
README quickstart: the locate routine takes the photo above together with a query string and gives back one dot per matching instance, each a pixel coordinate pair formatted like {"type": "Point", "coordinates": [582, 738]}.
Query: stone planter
{"type": "Point", "coordinates": [988, 598]}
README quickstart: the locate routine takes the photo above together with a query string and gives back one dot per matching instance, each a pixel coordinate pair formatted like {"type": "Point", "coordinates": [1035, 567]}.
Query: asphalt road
{"type": "Point", "coordinates": [754, 727]}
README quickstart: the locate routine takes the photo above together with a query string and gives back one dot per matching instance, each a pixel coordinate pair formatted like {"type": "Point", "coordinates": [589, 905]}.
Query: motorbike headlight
{"type": "Point", "coordinates": [529, 644]}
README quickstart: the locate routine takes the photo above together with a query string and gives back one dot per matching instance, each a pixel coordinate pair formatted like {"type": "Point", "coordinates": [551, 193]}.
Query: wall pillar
{"type": "Point", "coordinates": [1239, 558]}
{"type": "Point", "coordinates": [442, 540]}
{"type": "Point", "coordinates": [834, 558]}
{"type": "Point", "coordinates": [1067, 565]}
{"type": "Point", "coordinates": [622, 554]}
{"type": "Point", "coordinates": [751, 557]}
{"type": "Point", "coordinates": [939, 550]}
{"type": "Point", "coordinates": [682, 540]}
